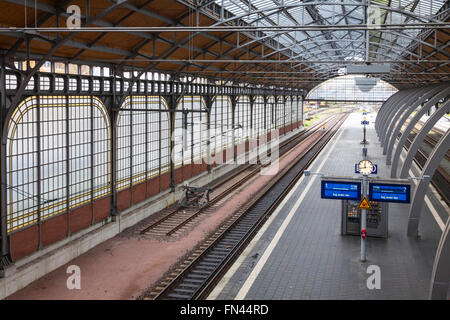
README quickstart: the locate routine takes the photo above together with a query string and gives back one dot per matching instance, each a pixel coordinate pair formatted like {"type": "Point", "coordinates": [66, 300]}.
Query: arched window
{"type": "Point", "coordinates": [190, 132]}
{"type": "Point", "coordinates": [142, 140]}
{"type": "Point", "coordinates": [258, 117]}
{"type": "Point", "coordinates": [221, 124]}
{"type": "Point", "coordinates": [242, 119]}
{"type": "Point", "coordinates": [352, 88]}
{"type": "Point", "coordinates": [58, 157]}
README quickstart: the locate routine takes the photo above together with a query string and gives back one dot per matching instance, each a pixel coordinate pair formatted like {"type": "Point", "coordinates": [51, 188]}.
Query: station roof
{"type": "Point", "coordinates": [288, 43]}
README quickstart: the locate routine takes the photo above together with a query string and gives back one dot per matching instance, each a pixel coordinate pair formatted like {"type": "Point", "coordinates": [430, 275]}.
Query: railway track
{"type": "Point", "coordinates": [175, 219]}
{"type": "Point", "coordinates": [205, 265]}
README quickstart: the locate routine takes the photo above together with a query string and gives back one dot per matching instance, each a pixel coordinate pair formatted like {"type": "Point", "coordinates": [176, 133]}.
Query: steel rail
{"type": "Point", "coordinates": [217, 265]}
{"type": "Point", "coordinates": [285, 144]}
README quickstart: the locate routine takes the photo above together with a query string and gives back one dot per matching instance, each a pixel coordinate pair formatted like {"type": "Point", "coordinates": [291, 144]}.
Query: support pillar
{"type": "Point", "coordinates": [418, 140]}
{"type": "Point", "coordinates": [390, 109]}
{"type": "Point", "coordinates": [4, 243]}
{"type": "Point", "coordinates": [403, 116]}
{"type": "Point", "coordinates": [430, 167]}
{"type": "Point", "coordinates": [404, 137]}
{"type": "Point", "coordinates": [172, 104]}
{"type": "Point", "coordinates": [386, 109]}
{"type": "Point", "coordinates": [208, 101]}
{"type": "Point", "coordinates": [440, 277]}
{"type": "Point", "coordinates": [393, 118]}
{"type": "Point", "coordinates": [386, 105]}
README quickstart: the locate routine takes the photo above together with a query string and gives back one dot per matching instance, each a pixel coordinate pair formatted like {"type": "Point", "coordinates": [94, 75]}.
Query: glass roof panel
{"type": "Point", "coordinates": [338, 44]}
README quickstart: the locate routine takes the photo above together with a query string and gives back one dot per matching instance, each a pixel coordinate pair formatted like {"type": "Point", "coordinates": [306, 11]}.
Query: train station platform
{"type": "Point", "coordinates": [300, 253]}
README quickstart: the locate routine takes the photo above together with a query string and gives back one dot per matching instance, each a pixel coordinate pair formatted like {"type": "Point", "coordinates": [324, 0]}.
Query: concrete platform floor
{"type": "Point", "coordinates": [300, 254]}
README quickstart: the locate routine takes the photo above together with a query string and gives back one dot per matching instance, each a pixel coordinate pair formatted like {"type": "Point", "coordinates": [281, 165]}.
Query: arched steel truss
{"type": "Point", "coordinates": [389, 122]}
{"type": "Point", "coordinates": [272, 11]}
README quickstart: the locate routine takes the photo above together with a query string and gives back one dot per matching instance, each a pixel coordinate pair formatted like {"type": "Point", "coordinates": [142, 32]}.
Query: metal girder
{"type": "Point", "coordinates": [24, 81]}
{"type": "Point", "coordinates": [415, 119]}
{"type": "Point", "coordinates": [126, 16]}
{"type": "Point", "coordinates": [384, 113]}
{"type": "Point", "coordinates": [403, 116]}
{"type": "Point", "coordinates": [419, 138]}
{"type": "Point", "coordinates": [416, 2]}
{"type": "Point", "coordinates": [444, 13]}
{"type": "Point", "coordinates": [124, 53]}
{"type": "Point", "coordinates": [4, 246]}
{"type": "Point", "coordinates": [272, 41]}
{"type": "Point", "coordinates": [282, 48]}
{"type": "Point", "coordinates": [295, 44]}
{"type": "Point", "coordinates": [41, 21]}
{"type": "Point", "coordinates": [405, 104]}
{"type": "Point", "coordinates": [386, 106]}
{"type": "Point", "coordinates": [412, 94]}
{"type": "Point", "coordinates": [182, 42]}
{"type": "Point", "coordinates": [440, 277]}
{"type": "Point", "coordinates": [428, 171]}
{"type": "Point", "coordinates": [101, 23]}
{"type": "Point", "coordinates": [226, 53]}
{"type": "Point", "coordinates": [278, 7]}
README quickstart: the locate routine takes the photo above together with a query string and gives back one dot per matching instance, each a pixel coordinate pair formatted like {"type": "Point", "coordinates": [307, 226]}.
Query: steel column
{"type": "Point", "coordinates": [38, 187]}
{"type": "Point", "coordinates": [440, 277]}
{"type": "Point", "coordinates": [114, 115]}
{"type": "Point", "coordinates": [422, 111]}
{"type": "Point", "coordinates": [209, 102]}
{"type": "Point", "coordinates": [302, 112]}
{"type": "Point", "coordinates": [4, 246]}
{"type": "Point", "coordinates": [418, 140]}
{"type": "Point", "coordinates": [430, 167]}
{"type": "Point", "coordinates": [233, 124]}
{"type": "Point", "coordinates": [404, 116]}
{"type": "Point", "coordinates": [171, 101]}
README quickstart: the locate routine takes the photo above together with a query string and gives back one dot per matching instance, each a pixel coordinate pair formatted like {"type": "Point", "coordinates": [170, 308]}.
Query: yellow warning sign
{"type": "Point", "coordinates": [364, 204]}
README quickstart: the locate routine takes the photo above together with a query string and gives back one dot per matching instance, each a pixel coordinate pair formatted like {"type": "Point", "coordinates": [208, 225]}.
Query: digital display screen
{"type": "Point", "coordinates": [383, 192]}
{"type": "Point", "coordinates": [341, 190]}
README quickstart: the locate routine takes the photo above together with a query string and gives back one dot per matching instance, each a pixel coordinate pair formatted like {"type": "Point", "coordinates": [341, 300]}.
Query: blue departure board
{"type": "Point", "coordinates": [345, 190]}
{"type": "Point", "coordinates": [384, 192]}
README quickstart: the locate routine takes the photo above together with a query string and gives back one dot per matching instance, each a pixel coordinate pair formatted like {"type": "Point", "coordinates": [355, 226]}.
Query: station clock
{"type": "Point", "coordinates": [365, 167]}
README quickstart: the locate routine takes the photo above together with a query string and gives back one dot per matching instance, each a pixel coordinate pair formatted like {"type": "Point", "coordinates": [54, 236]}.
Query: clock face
{"type": "Point", "coordinates": [365, 167]}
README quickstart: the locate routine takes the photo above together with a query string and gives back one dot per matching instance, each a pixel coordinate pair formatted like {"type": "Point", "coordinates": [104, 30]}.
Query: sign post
{"type": "Point", "coordinates": [363, 206]}
{"type": "Point", "coordinates": [364, 123]}
{"type": "Point", "coordinates": [346, 188]}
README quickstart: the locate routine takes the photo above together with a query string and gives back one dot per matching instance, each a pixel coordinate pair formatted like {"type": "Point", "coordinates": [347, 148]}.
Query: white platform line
{"type": "Point", "coordinates": [256, 271]}
{"type": "Point", "coordinates": [430, 205]}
